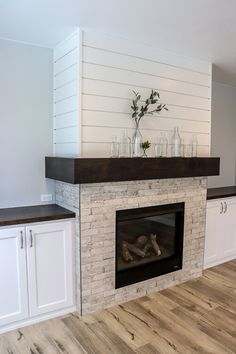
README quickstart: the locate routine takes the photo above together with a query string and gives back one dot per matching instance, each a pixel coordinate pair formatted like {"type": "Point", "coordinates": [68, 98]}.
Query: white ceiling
{"type": "Point", "coordinates": [204, 29]}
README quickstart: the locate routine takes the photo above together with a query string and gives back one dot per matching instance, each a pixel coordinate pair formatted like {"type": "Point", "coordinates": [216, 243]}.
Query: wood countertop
{"type": "Point", "coordinates": [36, 213]}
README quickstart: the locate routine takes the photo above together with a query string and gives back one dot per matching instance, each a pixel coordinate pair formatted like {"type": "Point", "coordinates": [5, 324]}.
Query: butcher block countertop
{"type": "Point", "coordinates": [36, 213]}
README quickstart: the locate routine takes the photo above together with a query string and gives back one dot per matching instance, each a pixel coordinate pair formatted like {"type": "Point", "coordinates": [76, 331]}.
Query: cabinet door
{"type": "Point", "coordinates": [228, 237]}
{"type": "Point", "coordinates": [13, 276]}
{"type": "Point", "coordinates": [49, 249]}
{"type": "Point", "coordinates": [213, 235]}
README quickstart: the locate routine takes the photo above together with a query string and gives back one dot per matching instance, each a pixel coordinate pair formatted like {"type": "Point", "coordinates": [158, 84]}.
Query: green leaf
{"type": "Point", "coordinates": [139, 112]}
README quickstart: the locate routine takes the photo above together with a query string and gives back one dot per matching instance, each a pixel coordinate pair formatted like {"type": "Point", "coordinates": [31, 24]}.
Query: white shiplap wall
{"type": "Point", "coordinates": [110, 68]}
{"type": "Point", "coordinates": [113, 67]}
{"type": "Point", "coordinates": [67, 56]}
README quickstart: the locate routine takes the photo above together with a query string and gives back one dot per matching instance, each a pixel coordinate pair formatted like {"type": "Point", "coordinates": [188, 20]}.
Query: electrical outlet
{"type": "Point", "coordinates": [46, 197]}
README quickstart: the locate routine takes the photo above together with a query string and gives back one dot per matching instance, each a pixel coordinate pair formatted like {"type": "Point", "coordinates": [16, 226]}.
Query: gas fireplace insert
{"type": "Point", "coordinates": [149, 242]}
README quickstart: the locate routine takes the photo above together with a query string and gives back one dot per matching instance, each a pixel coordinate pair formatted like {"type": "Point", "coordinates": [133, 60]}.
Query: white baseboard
{"type": "Point", "coordinates": [30, 321]}
{"type": "Point", "coordinates": [219, 261]}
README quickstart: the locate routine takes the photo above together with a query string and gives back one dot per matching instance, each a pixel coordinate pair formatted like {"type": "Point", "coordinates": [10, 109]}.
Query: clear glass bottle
{"type": "Point", "coordinates": [194, 146]}
{"type": "Point", "coordinates": [157, 148]}
{"type": "Point", "coordinates": [125, 144]}
{"type": "Point", "coordinates": [176, 143]}
{"type": "Point", "coordinates": [163, 145]}
{"type": "Point", "coordinates": [183, 148]}
{"type": "Point", "coordinates": [114, 147]}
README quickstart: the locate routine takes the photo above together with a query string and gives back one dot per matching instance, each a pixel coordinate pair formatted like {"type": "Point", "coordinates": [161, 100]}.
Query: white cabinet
{"type": "Point", "coordinates": [49, 254]}
{"type": "Point", "coordinates": [36, 270]}
{"type": "Point", "coordinates": [220, 240]}
{"type": "Point", "coordinates": [13, 276]}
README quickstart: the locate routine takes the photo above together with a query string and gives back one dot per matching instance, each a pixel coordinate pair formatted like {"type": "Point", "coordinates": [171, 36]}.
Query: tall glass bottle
{"type": "Point", "coordinates": [194, 146]}
{"type": "Point", "coordinates": [163, 145]}
{"type": "Point", "coordinates": [125, 144]}
{"type": "Point", "coordinates": [114, 147]}
{"type": "Point", "coordinates": [157, 148]}
{"type": "Point", "coordinates": [176, 143]}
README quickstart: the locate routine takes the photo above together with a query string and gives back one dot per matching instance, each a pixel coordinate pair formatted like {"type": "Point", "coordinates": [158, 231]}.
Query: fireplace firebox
{"type": "Point", "coordinates": [149, 242]}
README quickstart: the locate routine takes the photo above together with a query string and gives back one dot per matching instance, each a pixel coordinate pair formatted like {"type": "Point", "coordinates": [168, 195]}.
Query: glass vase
{"type": "Point", "coordinates": [137, 142]}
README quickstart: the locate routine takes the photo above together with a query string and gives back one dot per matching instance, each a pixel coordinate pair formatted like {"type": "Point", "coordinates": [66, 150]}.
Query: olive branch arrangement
{"type": "Point", "coordinates": [139, 112]}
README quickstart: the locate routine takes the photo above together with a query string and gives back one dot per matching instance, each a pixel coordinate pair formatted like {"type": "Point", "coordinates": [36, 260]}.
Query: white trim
{"type": "Point", "coordinates": [80, 88]}
{"type": "Point", "coordinates": [210, 122]}
{"type": "Point", "coordinates": [37, 319]}
{"type": "Point", "coordinates": [219, 261]}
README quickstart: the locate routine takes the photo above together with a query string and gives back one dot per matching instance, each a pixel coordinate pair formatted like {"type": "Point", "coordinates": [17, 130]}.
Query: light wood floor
{"type": "Point", "coordinates": [196, 317]}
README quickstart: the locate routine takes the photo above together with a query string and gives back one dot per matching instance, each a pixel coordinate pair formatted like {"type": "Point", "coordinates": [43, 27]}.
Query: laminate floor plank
{"type": "Point", "coordinates": [185, 334]}
{"type": "Point", "coordinates": [146, 330]}
{"type": "Point", "coordinates": [206, 330]}
{"type": "Point", "coordinates": [212, 315]}
{"type": "Point", "coordinates": [147, 349]}
{"type": "Point", "coordinates": [58, 334]}
{"type": "Point", "coordinates": [198, 316]}
{"type": "Point", "coordinates": [129, 331]}
{"type": "Point", "coordinates": [219, 295]}
{"type": "Point", "coordinates": [190, 299]}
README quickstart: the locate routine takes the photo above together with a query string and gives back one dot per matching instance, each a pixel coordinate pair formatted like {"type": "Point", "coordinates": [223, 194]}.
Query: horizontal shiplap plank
{"type": "Point", "coordinates": [66, 120]}
{"type": "Point", "coordinates": [117, 105]}
{"type": "Point", "coordinates": [68, 149]}
{"type": "Point", "coordinates": [104, 150]}
{"type": "Point", "coordinates": [65, 62]}
{"type": "Point", "coordinates": [66, 127]}
{"type": "Point", "coordinates": [105, 134]}
{"type": "Point", "coordinates": [104, 73]}
{"type": "Point", "coordinates": [108, 119]}
{"type": "Point", "coordinates": [66, 91]}
{"type": "Point", "coordinates": [103, 88]}
{"type": "Point", "coordinates": [66, 135]}
{"type": "Point", "coordinates": [66, 76]}
{"type": "Point", "coordinates": [68, 105]}
{"type": "Point", "coordinates": [66, 46]}
{"type": "Point", "coordinates": [122, 61]}
{"type": "Point", "coordinates": [120, 45]}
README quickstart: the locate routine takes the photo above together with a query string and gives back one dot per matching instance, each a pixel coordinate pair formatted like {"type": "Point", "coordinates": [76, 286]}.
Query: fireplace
{"type": "Point", "coordinates": [149, 242]}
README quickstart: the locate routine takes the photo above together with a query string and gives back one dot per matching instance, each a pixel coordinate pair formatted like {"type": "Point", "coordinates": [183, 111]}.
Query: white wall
{"type": "Point", "coordinates": [223, 143]}
{"type": "Point", "coordinates": [110, 68]}
{"type": "Point", "coordinates": [113, 67]}
{"type": "Point", "coordinates": [25, 122]}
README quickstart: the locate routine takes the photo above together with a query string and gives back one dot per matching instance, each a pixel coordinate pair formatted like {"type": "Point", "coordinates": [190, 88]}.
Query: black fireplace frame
{"type": "Point", "coordinates": [166, 265]}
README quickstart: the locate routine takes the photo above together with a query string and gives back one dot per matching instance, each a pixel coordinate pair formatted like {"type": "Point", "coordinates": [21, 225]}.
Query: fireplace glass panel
{"type": "Point", "coordinates": [149, 242]}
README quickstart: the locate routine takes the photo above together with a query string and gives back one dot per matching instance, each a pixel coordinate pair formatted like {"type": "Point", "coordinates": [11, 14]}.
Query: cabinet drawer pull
{"type": "Point", "coordinates": [31, 238]}
{"type": "Point", "coordinates": [226, 207]}
{"type": "Point", "coordinates": [221, 208]}
{"type": "Point", "coordinates": [21, 240]}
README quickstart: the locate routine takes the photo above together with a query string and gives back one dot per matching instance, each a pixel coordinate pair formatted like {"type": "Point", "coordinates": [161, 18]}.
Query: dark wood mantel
{"type": "Point", "coordinates": [96, 170]}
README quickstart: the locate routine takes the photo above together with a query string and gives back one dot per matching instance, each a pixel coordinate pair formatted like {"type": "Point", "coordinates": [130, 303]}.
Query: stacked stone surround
{"type": "Point", "coordinates": [95, 206]}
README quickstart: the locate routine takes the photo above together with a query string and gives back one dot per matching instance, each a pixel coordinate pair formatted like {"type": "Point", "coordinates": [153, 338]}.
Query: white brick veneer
{"type": "Point", "coordinates": [95, 206]}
